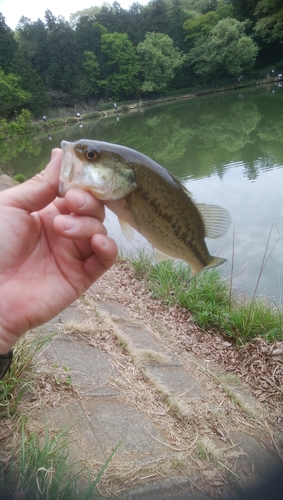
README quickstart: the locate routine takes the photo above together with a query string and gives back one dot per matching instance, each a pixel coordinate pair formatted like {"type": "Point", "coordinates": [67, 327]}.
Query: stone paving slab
{"type": "Point", "coordinates": [177, 381]}
{"type": "Point", "coordinates": [6, 182]}
{"type": "Point", "coordinates": [172, 488]}
{"type": "Point", "coordinates": [102, 418]}
{"type": "Point", "coordinates": [96, 429]}
{"type": "Point", "coordinates": [90, 368]}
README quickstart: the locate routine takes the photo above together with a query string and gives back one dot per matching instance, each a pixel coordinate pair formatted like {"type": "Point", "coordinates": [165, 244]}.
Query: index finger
{"type": "Point", "coordinates": [82, 202]}
{"type": "Point", "coordinates": [37, 192]}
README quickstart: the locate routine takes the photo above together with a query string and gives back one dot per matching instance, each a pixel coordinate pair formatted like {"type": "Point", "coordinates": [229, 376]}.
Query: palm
{"type": "Point", "coordinates": [43, 268]}
{"type": "Point", "coordinates": [43, 274]}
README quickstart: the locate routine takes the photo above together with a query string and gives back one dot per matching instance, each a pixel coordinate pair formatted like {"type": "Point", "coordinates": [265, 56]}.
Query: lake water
{"type": "Point", "coordinates": [226, 148]}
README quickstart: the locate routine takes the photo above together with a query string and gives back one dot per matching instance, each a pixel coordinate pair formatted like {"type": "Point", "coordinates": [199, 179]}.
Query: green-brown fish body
{"type": "Point", "coordinates": [147, 197]}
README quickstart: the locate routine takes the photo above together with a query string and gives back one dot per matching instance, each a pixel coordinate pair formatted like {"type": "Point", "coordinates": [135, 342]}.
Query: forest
{"type": "Point", "coordinates": [110, 53]}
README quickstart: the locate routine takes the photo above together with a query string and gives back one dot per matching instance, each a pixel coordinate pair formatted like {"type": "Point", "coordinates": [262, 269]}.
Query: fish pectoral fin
{"type": "Point", "coordinates": [160, 257]}
{"type": "Point", "coordinates": [217, 220]}
{"type": "Point", "coordinates": [127, 230]}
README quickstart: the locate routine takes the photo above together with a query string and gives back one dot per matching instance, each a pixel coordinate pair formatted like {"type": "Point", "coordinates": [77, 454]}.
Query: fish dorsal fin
{"type": "Point", "coordinates": [217, 220]}
{"type": "Point", "coordinates": [160, 257]}
{"type": "Point", "coordinates": [127, 230]}
{"type": "Point", "coordinates": [188, 193]}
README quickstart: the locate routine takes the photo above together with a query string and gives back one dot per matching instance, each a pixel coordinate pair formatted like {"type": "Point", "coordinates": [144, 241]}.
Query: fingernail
{"type": "Point", "coordinates": [81, 199]}
{"type": "Point", "coordinates": [69, 223]}
{"type": "Point", "coordinates": [53, 153]}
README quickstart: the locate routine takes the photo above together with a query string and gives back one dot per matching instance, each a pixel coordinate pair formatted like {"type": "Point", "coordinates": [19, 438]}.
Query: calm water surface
{"type": "Point", "coordinates": [227, 149]}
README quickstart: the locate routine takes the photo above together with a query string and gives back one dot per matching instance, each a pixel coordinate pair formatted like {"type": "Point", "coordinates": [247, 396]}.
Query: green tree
{"type": "Point", "coordinates": [199, 6]}
{"type": "Point", "coordinates": [90, 12]}
{"type": "Point", "coordinates": [244, 9]}
{"type": "Point", "coordinates": [61, 49]}
{"type": "Point", "coordinates": [123, 65]}
{"type": "Point", "coordinates": [88, 35]}
{"type": "Point", "coordinates": [198, 28]}
{"type": "Point", "coordinates": [156, 15]}
{"type": "Point", "coordinates": [8, 45]}
{"type": "Point", "coordinates": [32, 38]}
{"type": "Point", "coordinates": [30, 82]}
{"type": "Point", "coordinates": [88, 82]}
{"type": "Point", "coordinates": [160, 60]}
{"type": "Point", "coordinates": [226, 51]}
{"type": "Point", "coordinates": [12, 96]}
{"type": "Point", "coordinates": [113, 17]}
{"type": "Point", "coordinates": [178, 16]}
{"type": "Point", "coordinates": [224, 9]}
{"type": "Point", "coordinates": [270, 20]}
{"type": "Point", "coordinates": [136, 27]}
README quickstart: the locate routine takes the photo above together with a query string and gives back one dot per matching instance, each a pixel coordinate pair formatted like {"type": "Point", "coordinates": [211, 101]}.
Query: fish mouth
{"type": "Point", "coordinates": [69, 166]}
{"type": "Point", "coordinates": [78, 174]}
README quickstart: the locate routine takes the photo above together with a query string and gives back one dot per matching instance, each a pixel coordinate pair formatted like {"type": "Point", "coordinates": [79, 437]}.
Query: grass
{"type": "Point", "coordinates": [208, 297]}
{"type": "Point", "coordinates": [42, 470]}
{"type": "Point", "coordinates": [39, 467]}
{"type": "Point", "coordinates": [19, 378]}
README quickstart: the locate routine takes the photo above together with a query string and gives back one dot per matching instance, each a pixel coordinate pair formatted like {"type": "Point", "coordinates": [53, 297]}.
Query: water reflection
{"type": "Point", "coordinates": [226, 148]}
{"type": "Point", "coordinates": [257, 211]}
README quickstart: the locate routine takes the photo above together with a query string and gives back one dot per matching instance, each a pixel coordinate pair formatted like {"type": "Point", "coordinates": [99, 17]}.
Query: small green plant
{"type": "Point", "coordinates": [62, 376]}
{"type": "Point", "coordinates": [141, 263]}
{"type": "Point", "coordinates": [206, 450]}
{"type": "Point", "coordinates": [19, 378]}
{"type": "Point", "coordinates": [43, 470]}
{"type": "Point", "coordinates": [19, 178]}
{"type": "Point", "coordinates": [208, 297]}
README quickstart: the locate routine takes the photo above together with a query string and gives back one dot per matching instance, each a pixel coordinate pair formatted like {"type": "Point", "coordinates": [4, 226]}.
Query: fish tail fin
{"type": "Point", "coordinates": [215, 261]}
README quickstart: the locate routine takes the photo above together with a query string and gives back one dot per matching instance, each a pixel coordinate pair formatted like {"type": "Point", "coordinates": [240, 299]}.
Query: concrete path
{"type": "Point", "coordinates": [184, 430]}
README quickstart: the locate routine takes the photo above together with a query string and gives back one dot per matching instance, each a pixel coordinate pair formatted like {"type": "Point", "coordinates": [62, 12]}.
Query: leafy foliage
{"type": "Point", "coordinates": [226, 51]}
{"type": "Point", "coordinates": [8, 45]}
{"type": "Point", "coordinates": [160, 59]}
{"type": "Point", "coordinates": [123, 65]}
{"type": "Point", "coordinates": [12, 96]}
{"type": "Point", "coordinates": [198, 28]}
{"type": "Point", "coordinates": [270, 20]}
{"type": "Point", "coordinates": [110, 52]}
{"type": "Point", "coordinates": [31, 82]}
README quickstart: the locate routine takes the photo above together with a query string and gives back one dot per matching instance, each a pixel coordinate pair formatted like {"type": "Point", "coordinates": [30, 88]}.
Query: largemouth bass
{"type": "Point", "coordinates": [146, 197]}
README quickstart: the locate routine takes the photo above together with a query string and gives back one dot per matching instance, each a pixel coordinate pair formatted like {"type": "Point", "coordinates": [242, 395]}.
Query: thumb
{"type": "Point", "coordinates": [39, 191]}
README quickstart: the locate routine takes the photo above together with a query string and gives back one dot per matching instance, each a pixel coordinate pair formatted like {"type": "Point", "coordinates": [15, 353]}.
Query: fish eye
{"type": "Point", "coordinates": [91, 155]}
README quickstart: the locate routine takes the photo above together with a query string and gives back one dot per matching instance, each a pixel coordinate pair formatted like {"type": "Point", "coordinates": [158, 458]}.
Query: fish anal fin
{"type": "Point", "coordinates": [160, 257]}
{"type": "Point", "coordinates": [217, 220]}
{"type": "Point", "coordinates": [127, 230]}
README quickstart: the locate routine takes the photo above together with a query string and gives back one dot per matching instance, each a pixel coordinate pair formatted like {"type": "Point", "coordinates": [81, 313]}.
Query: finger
{"type": "Point", "coordinates": [105, 253]}
{"type": "Point", "coordinates": [61, 205]}
{"type": "Point", "coordinates": [36, 193]}
{"type": "Point", "coordinates": [84, 203]}
{"type": "Point", "coordinates": [76, 227]}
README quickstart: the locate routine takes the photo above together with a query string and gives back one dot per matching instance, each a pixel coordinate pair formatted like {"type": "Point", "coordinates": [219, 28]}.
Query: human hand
{"type": "Point", "coordinates": [52, 250]}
